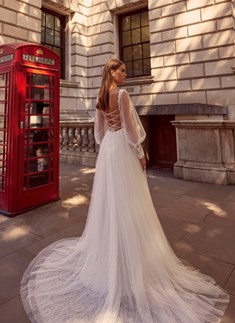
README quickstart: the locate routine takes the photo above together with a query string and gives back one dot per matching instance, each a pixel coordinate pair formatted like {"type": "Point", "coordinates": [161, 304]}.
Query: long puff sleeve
{"type": "Point", "coordinates": [100, 127]}
{"type": "Point", "coordinates": [134, 131]}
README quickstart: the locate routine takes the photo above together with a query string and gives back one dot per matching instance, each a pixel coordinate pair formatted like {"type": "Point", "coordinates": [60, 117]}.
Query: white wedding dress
{"type": "Point", "coordinates": [122, 269]}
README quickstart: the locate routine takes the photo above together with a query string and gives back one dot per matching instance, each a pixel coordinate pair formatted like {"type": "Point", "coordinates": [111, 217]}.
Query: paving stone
{"type": "Point", "coordinates": [230, 286]}
{"type": "Point", "coordinates": [53, 219]}
{"type": "Point", "coordinates": [224, 209]}
{"type": "Point", "coordinates": [12, 268]}
{"type": "Point", "coordinates": [13, 312]}
{"type": "Point", "coordinates": [174, 186]}
{"type": "Point", "coordinates": [161, 199]}
{"type": "Point", "coordinates": [73, 231]}
{"type": "Point", "coordinates": [185, 208]}
{"type": "Point", "coordinates": [215, 239]}
{"type": "Point", "coordinates": [230, 197]}
{"type": "Point", "coordinates": [229, 316]}
{"type": "Point", "coordinates": [211, 192]}
{"type": "Point", "coordinates": [13, 238]}
{"type": "Point", "coordinates": [216, 269]}
{"type": "Point", "coordinates": [173, 228]}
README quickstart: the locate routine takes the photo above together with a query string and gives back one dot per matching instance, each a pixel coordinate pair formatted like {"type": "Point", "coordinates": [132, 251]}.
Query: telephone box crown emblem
{"type": "Point", "coordinates": [39, 51]}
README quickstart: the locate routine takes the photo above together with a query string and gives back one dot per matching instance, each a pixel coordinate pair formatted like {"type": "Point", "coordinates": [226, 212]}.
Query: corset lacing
{"type": "Point", "coordinates": [113, 120]}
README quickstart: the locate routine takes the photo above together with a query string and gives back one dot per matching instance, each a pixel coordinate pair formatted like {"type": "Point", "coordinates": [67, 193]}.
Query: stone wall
{"type": "Point", "coordinates": [192, 49]}
{"type": "Point", "coordinates": [20, 21]}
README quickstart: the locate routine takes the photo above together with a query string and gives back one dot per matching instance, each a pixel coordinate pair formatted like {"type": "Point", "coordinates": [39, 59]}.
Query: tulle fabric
{"type": "Point", "coordinates": [122, 269]}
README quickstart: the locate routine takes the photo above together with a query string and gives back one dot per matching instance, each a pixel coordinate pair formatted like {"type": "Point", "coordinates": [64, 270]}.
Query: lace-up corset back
{"type": "Point", "coordinates": [112, 117]}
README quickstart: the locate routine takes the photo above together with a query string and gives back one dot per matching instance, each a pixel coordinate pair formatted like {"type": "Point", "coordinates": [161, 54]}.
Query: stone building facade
{"type": "Point", "coordinates": [186, 98]}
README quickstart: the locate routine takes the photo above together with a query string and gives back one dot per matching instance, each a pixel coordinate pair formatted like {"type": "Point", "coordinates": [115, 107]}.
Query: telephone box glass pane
{"type": "Point", "coordinates": [4, 77]}
{"type": "Point", "coordinates": [38, 139]}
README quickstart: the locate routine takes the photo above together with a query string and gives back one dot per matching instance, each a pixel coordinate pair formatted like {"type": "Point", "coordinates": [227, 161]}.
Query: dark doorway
{"type": "Point", "coordinates": [162, 143]}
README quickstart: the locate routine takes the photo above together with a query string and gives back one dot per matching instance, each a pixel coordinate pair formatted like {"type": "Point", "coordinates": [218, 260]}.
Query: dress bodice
{"type": "Point", "coordinates": [113, 119]}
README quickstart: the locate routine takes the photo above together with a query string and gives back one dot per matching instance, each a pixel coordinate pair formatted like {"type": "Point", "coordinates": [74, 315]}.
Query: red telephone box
{"type": "Point", "coordinates": [29, 127]}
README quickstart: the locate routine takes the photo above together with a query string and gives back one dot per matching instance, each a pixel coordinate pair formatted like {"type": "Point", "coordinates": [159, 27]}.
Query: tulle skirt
{"type": "Point", "coordinates": [122, 269]}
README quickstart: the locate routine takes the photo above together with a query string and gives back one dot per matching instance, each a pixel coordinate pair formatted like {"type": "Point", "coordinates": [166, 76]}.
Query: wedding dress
{"type": "Point", "coordinates": [122, 269]}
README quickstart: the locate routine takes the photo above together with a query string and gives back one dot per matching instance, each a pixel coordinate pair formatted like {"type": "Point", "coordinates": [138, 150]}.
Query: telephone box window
{"type": "Point", "coordinates": [135, 43]}
{"type": "Point", "coordinates": [52, 34]}
{"type": "Point", "coordinates": [4, 84]}
{"type": "Point", "coordinates": [39, 111]}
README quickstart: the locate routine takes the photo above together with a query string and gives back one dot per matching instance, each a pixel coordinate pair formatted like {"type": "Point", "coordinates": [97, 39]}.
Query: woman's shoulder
{"type": "Point", "coordinates": [124, 94]}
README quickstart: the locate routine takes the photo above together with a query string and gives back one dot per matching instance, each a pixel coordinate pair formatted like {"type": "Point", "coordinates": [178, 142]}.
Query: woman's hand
{"type": "Point", "coordinates": [143, 163]}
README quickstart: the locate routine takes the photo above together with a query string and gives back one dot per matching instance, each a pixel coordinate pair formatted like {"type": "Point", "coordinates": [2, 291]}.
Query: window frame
{"type": "Point", "coordinates": [62, 19]}
{"type": "Point", "coordinates": [121, 46]}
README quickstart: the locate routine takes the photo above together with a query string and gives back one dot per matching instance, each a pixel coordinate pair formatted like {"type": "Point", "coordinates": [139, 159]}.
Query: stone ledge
{"type": "Point", "coordinates": [182, 109]}
{"type": "Point", "coordinates": [78, 157]}
{"type": "Point", "coordinates": [227, 124]}
{"type": "Point", "coordinates": [214, 173]}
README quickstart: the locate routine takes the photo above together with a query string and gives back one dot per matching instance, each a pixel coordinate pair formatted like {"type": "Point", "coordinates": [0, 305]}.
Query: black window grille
{"type": "Point", "coordinates": [135, 42]}
{"type": "Point", "coordinates": [53, 34]}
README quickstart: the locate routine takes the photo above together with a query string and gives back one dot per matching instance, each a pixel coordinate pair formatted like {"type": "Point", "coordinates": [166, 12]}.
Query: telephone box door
{"type": "Point", "coordinates": [39, 137]}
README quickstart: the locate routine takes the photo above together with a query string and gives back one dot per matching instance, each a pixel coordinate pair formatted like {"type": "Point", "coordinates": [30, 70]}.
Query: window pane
{"type": "Point", "coordinates": [43, 17]}
{"type": "Point", "coordinates": [49, 36]}
{"type": "Point", "coordinates": [57, 38]}
{"type": "Point", "coordinates": [147, 68]}
{"type": "Point", "coordinates": [57, 50]}
{"type": "Point", "coordinates": [135, 21]}
{"type": "Point", "coordinates": [38, 79]}
{"type": "Point", "coordinates": [126, 23]}
{"type": "Point", "coordinates": [57, 23]}
{"type": "Point", "coordinates": [137, 67]}
{"type": "Point", "coordinates": [146, 50]}
{"type": "Point", "coordinates": [137, 52]}
{"type": "Point", "coordinates": [127, 53]}
{"type": "Point", "coordinates": [126, 38]}
{"type": "Point", "coordinates": [129, 70]}
{"type": "Point", "coordinates": [145, 34]}
{"type": "Point", "coordinates": [136, 36]}
{"type": "Point", "coordinates": [2, 108]}
{"type": "Point", "coordinates": [49, 21]}
{"type": "Point", "coordinates": [43, 33]}
{"type": "Point", "coordinates": [144, 19]}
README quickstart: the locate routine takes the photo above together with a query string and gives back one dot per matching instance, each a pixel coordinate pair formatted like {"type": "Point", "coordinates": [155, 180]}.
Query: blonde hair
{"type": "Point", "coordinates": [107, 80]}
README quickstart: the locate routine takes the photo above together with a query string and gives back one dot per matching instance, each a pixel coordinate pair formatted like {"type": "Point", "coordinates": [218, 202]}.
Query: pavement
{"type": "Point", "coordinates": [198, 219]}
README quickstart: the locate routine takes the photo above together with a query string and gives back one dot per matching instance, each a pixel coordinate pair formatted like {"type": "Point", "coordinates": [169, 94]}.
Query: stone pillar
{"type": "Point", "coordinates": [206, 151]}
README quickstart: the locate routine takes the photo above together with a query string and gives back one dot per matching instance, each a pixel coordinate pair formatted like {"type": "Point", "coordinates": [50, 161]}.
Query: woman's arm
{"type": "Point", "coordinates": [99, 128]}
{"type": "Point", "coordinates": [134, 131]}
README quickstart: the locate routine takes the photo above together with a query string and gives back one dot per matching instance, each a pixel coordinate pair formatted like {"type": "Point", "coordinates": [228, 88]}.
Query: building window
{"type": "Point", "coordinates": [52, 34]}
{"type": "Point", "coordinates": [135, 43]}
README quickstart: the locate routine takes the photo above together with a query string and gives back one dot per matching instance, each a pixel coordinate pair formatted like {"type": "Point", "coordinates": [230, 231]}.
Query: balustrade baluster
{"type": "Point", "coordinates": [72, 140]}
{"type": "Point", "coordinates": [65, 137]}
{"type": "Point", "coordinates": [85, 140]}
{"type": "Point", "coordinates": [78, 138]}
{"type": "Point", "coordinates": [91, 145]}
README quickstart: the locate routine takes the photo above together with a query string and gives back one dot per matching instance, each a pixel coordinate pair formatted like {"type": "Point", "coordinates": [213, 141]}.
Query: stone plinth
{"type": "Point", "coordinates": [206, 151]}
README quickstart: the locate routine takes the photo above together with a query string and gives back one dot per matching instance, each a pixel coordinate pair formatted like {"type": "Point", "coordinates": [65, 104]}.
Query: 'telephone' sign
{"type": "Point", "coordinates": [6, 58]}
{"type": "Point", "coordinates": [37, 59]}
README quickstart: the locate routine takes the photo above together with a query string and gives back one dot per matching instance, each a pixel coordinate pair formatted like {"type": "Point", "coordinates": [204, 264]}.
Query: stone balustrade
{"type": "Point", "coordinates": [77, 143]}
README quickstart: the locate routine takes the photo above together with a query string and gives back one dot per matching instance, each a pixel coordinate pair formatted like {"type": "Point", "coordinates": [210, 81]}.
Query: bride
{"type": "Point", "coordinates": [122, 269]}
